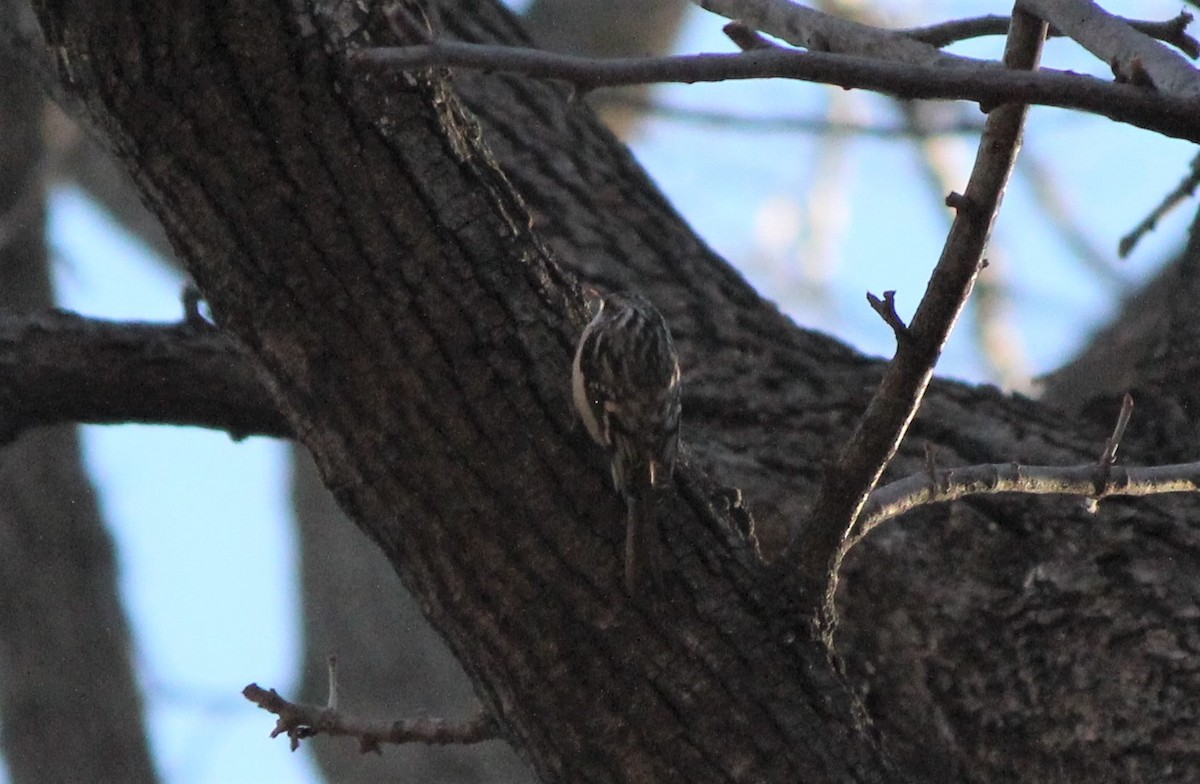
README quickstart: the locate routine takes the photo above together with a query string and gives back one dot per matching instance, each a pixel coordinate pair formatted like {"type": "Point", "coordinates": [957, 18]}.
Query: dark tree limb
{"type": "Point", "coordinates": [58, 367]}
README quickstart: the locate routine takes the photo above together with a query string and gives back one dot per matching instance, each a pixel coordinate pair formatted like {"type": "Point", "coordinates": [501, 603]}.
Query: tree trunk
{"type": "Point", "coordinates": [412, 308]}
{"type": "Point", "coordinates": [391, 663]}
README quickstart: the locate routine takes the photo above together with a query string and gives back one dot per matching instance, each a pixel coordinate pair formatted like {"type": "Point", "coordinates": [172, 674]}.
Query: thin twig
{"type": "Point", "coordinates": [904, 495]}
{"type": "Point", "coordinates": [735, 122]}
{"type": "Point", "coordinates": [1172, 31]}
{"type": "Point", "coordinates": [299, 721]}
{"type": "Point", "coordinates": [943, 162]}
{"type": "Point", "coordinates": [886, 308]}
{"type": "Point", "coordinates": [849, 479]}
{"type": "Point", "coordinates": [191, 298]}
{"type": "Point", "coordinates": [1184, 190]}
{"type": "Point", "coordinates": [945, 33]}
{"type": "Point", "coordinates": [747, 38]}
{"type": "Point", "coordinates": [1109, 456]}
{"type": "Point", "coordinates": [982, 82]}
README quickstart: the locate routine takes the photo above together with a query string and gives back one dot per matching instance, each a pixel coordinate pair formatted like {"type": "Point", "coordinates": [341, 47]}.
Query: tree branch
{"type": "Point", "coordinates": [737, 122]}
{"type": "Point", "coordinates": [1172, 31]}
{"type": "Point", "coordinates": [1094, 482]}
{"type": "Point", "coordinates": [821, 32]}
{"type": "Point", "coordinates": [818, 547]}
{"type": "Point", "coordinates": [1085, 481]}
{"type": "Point", "coordinates": [299, 721]}
{"type": "Point", "coordinates": [983, 83]}
{"type": "Point", "coordinates": [1184, 190]}
{"type": "Point", "coordinates": [1133, 55]}
{"type": "Point", "coordinates": [61, 367]}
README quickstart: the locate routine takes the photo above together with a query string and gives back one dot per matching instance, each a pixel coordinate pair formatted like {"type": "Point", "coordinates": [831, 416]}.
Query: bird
{"type": "Point", "coordinates": [625, 382]}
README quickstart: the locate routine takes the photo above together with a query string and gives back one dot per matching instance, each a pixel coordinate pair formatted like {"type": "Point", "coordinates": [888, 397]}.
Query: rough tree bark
{"type": "Point", "coordinates": [393, 663]}
{"type": "Point", "coordinates": [352, 233]}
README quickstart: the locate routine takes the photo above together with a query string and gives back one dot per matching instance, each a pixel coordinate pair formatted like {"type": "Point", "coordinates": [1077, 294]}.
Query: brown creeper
{"type": "Point", "coordinates": [625, 383]}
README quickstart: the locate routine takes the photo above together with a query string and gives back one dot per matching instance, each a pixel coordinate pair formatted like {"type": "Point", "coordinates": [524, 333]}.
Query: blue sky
{"type": "Point", "coordinates": [194, 513]}
{"type": "Point", "coordinates": [204, 539]}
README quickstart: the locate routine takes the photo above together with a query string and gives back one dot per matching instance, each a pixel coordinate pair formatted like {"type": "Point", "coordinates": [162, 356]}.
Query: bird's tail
{"type": "Point", "coordinates": [643, 545]}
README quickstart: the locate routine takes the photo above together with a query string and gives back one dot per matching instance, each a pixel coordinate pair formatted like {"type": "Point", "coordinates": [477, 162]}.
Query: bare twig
{"type": "Point", "coordinates": [60, 367]}
{"type": "Point", "coordinates": [1171, 116]}
{"type": "Point", "coordinates": [1172, 31]}
{"type": "Point", "coordinates": [944, 164]}
{"type": "Point", "coordinates": [807, 27]}
{"type": "Point", "coordinates": [1092, 482]}
{"type": "Point", "coordinates": [886, 308]}
{"type": "Point", "coordinates": [746, 38]}
{"type": "Point", "coordinates": [1109, 456]}
{"type": "Point", "coordinates": [1085, 481]}
{"type": "Point", "coordinates": [1131, 53]}
{"type": "Point", "coordinates": [191, 298]}
{"type": "Point", "coordinates": [816, 125]}
{"type": "Point", "coordinates": [1183, 191]}
{"type": "Point", "coordinates": [818, 547]}
{"type": "Point", "coordinates": [299, 721]}
{"type": "Point", "coordinates": [946, 33]}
